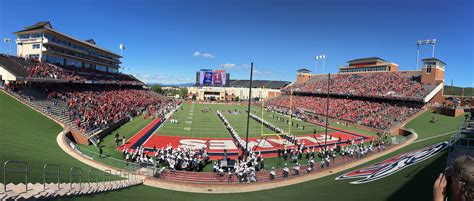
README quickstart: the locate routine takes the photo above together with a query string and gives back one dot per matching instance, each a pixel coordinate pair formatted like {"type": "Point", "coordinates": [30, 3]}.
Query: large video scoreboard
{"type": "Point", "coordinates": [209, 77]}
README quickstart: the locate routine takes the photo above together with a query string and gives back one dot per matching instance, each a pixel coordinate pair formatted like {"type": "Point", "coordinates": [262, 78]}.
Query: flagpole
{"type": "Point", "coordinates": [327, 114]}
{"type": "Point", "coordinates": [261, 125]}
{"type": "Point", "coordinates": [248, 114]}
{"type": "Point", "coordinates": [291, 112]}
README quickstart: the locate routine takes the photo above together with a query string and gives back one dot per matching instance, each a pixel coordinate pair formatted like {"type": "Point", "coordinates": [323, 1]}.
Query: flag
{"type": "Point", "coordinates": [122, 47]}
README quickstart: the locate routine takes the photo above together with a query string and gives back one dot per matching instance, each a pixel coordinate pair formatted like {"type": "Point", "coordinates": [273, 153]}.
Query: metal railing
{"type": "Point", "coordinates": [52, 169]}
{"type": "Point", "coordinates": [461, 142]}
{"type": "Point", "coordinates": [109, 175]}
{"type": "Point", "coordinates": [117, 176]}
{"type": "Point", "coordinates": [132, 167]}
{"type": "Point", "coordinates": [72, 173]}
{"type": "Point", "coordinates": [121, 165]}
{"type": "Point", "coordinates": [93, 172]}
{"type": "Point", "coordinates": [45, 173]}
{"type": "Point", "coordinates": [126, 175]}
{"type": "Point", "coordinates": [112, 162]}
{"type": "Point", "coordinates": [5, 170]}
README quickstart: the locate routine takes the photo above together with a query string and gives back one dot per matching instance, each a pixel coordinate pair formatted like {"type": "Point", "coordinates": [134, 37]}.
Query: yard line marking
{"type": "Point", "coordinates": [448, 133]}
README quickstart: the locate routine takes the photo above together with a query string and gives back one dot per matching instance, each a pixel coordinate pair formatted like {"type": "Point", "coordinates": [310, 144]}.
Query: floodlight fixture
{"type": "Point", "coordinates": [424, 42]}
{"type": "Point", "coordinates": [320, 57]}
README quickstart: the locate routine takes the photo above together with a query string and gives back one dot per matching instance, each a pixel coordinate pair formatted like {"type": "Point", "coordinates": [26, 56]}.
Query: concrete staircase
{"type": "Point", "coordinates": [39, 191]}
{"type": "Point", "coordinates": [57, 113]}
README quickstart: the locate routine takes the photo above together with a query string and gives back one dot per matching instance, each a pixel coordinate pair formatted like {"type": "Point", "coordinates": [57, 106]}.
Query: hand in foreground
{"type": "Point", "coordinates": [439, 188]}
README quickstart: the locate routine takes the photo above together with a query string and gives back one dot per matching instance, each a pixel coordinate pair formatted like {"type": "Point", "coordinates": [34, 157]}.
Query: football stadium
{"type": "Point", "coordinates": [77, 123]}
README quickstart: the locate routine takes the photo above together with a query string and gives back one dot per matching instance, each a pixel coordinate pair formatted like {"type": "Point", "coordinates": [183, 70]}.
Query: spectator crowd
{"type": "Point", "coordinates": [50, 71]}
{"type": "Point", "coordinates": [33, 68]}
{"type": "Point", "coordinates": [67, 73]}
{"type": "Point", "coordinates": [381, 84]}
{"type": "Point", "coordinates": [92, 107]}
{"type": "Point", "coordinates": [380, 115]}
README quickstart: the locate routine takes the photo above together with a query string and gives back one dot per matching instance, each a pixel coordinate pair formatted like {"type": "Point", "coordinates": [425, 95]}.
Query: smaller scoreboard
{"type": "Point", "coordinates": [209, 77]}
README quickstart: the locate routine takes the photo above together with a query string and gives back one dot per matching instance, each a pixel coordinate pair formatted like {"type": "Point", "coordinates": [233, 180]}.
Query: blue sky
{"type": "Point", "coordinates": [168, 41]}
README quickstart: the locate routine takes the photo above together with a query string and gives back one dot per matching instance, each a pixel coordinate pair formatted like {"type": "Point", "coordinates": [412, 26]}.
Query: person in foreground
{"type": "Point", "coordinates": [462, 177]}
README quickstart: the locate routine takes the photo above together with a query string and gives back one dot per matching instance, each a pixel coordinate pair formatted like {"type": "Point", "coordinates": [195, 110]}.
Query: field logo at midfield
{"type": "Point", "coordinates": [393, 165]}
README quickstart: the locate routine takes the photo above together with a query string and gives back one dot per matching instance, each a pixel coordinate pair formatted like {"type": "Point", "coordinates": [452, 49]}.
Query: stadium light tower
{"type": "Point", "coordinates": [122, 48]}
{"type": "Point", "coordinates": [316, 58]}
{"type": "Point", "coordinates": [320, 57]}
{"type": "Point", "coordinates": [424, 42]}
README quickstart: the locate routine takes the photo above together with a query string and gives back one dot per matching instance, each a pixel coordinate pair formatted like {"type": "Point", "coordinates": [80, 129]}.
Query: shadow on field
{"type": "Point", "coordinates": [420, 187]}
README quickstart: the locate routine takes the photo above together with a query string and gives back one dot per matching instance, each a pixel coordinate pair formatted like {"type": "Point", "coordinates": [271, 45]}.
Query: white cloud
{"type": "Point", "coordinates": [235, 66]}
{"type": "Point", "coordinates": [208, 55]}
{"type": "Point", "coordinates": [161, 78]}
{"type": "Point", "coordinates": [204, 55]}
{"type": "Point", "coordinates": [229, 65]}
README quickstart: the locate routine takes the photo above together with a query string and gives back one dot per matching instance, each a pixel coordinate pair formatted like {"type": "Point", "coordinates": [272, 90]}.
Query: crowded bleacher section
{"type": "Point", "coordinates": [95, 107]}
{"type": "Point", "coordinates": [375, 84]}
{"type": "Point", "coordinates": [43, 71]}
{"type": "Point", "coordinates": [375, 114]}
{"type": "Point", "coordinates": [50, 71]}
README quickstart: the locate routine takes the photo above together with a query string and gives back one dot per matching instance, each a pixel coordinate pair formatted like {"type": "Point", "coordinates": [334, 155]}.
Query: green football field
{"type": "Point", "coordinates": [27, 135]}
{"type": "Point", "coordinates": [193, 122]}
{"type": "Point", "coordinates": [203, 124]}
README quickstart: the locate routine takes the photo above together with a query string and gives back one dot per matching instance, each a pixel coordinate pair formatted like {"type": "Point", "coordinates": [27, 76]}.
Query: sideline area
{"type": "Point", "coordinates": [231, 188]}
{"type": "Point", "coordinates": [241, 188]}
{"type": "Point", "coordinates": [219, 188]}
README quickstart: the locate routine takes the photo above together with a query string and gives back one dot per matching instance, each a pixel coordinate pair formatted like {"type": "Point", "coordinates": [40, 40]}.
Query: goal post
{"type": "Point", "coordinates": [290, 117]}
{"type": "Point", "coordinates": [263, 118]}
